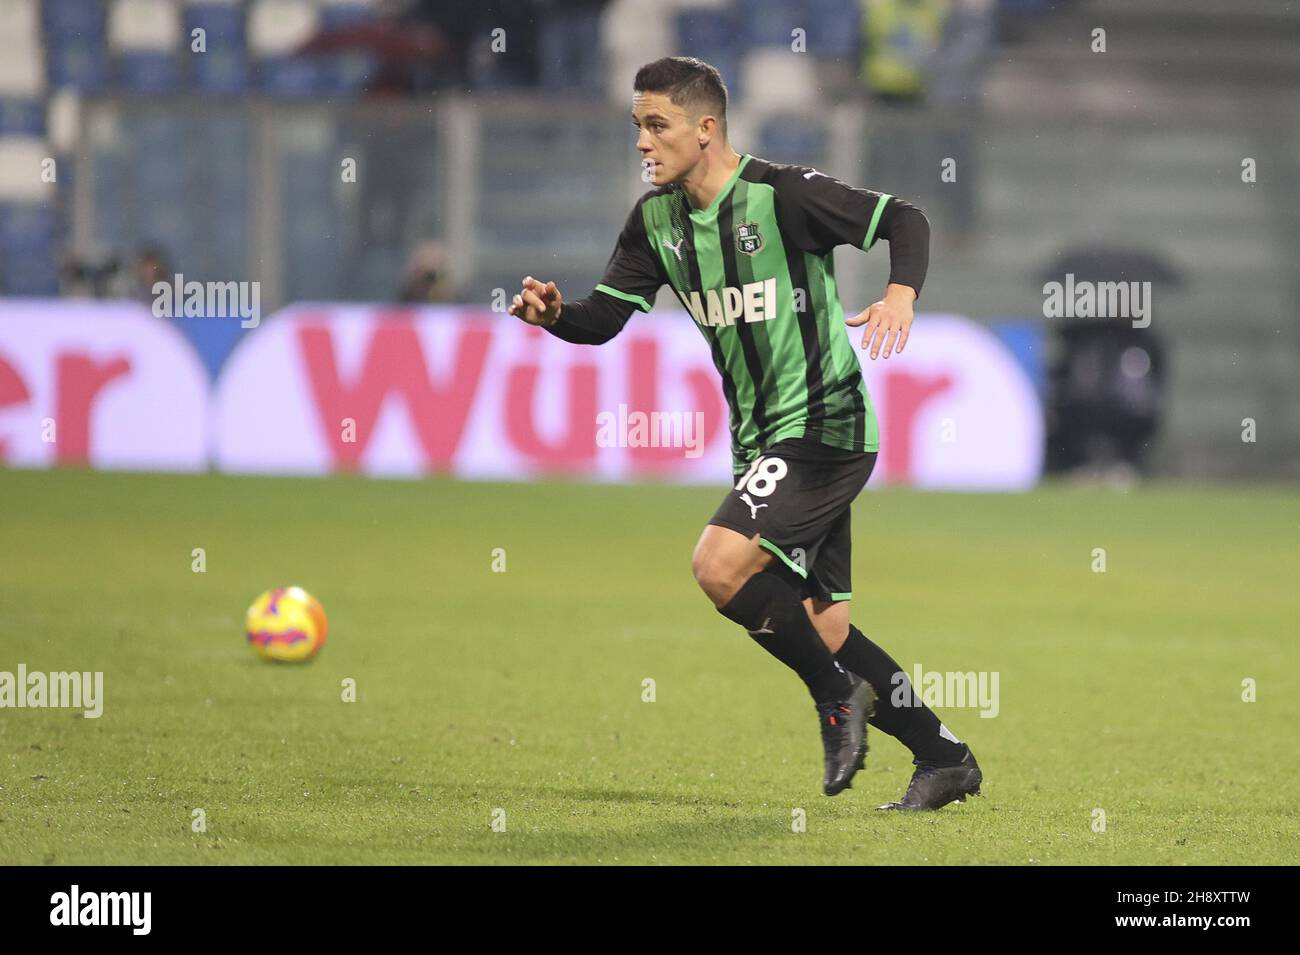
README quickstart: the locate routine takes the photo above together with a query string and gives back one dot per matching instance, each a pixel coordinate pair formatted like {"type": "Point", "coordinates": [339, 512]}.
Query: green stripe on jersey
{"type": "Point", "coordinates": [875, 220]}
{"type": "Point", "coordinates": [636, 300]}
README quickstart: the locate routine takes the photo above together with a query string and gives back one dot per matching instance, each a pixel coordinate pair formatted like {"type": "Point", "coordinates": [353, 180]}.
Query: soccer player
{"type": "Point", "coordinates": [746, 245]}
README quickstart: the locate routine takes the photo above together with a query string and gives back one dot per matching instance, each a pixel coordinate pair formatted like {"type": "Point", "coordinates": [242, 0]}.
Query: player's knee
{"type": "Point", "coordinates": [717, 577]}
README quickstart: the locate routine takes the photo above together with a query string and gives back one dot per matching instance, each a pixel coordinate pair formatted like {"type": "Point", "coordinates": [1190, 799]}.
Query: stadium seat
{"type": "Point", "coordinates": [144, 72]}
{"type": "Point", "coordinates": [834, 28]}
{"type": "Point", "coordinates": [572, 57]}
{"type": "Point", "coordinates": [62, 124]}
{"type": "Point", "coordinates": [26, 225]}
{"type": "Point", "coordinates": [276, 29]}
{"type": "Point", "coordinates": [144, 38]}
{"type": "Point", "coordinates": [73, 20]}
{"type": "Point", "coordinates": [223, 68]}
{"type": "Point", "coordinates": [76, 51]}
{"type": "Point", "coordinates": [79, 64]}
{"type": "Point", "coordinates": [222, 25]}
{"type": "Point", "coordinates": [28, 249]}
{"type": "Point", "coordinates": [768, 23]}
{"type": "Point", "coordinates": [22, 69]}
{"type": "Point", "coordinates": [346, 74]}
{"type": "Point", "coordinates": [20, 165]}
{"type": "Point", "coordinates": [144, 25]}
{"type": "Point", "coordinates": [20, 22]}
{"type": "Point", "coordinates": [335, 14]}
{"type": "Point", "coordinates": [221, 71]}
{"type": "Point", "coordinates": [21, 117]}
{"type": "Point", "coordinates": [711, 34]}
{"type": "Point", "coordinates": [29, 273]}
{"type": "Point", "coordinates": [785, 139]}
{"type": "Point", "coordinates": [706, 29]}
{"type": "Point", "coordinates": [775, 79]}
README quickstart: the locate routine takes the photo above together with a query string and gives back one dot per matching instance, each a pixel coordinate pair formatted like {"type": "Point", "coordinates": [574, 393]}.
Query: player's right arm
{"type": "Point", "coordinates": [632, 278]}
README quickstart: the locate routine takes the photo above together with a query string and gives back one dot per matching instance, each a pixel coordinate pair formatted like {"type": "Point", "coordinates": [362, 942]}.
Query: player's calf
{"type": "Point", "coordinates": [771, 612]}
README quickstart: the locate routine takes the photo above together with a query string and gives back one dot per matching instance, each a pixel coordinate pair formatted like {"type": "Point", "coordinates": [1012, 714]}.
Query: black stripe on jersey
{"type": "Point", "coordinates": [728, 386]}
{"type": "Point", "coordinates": [859, 418]}
{"type": "Point", "coordinates": [731, 279]}
{"type": "Point", "coordinates": [680, 213]}
{"type": "Point", "coordinates": [812, 345]}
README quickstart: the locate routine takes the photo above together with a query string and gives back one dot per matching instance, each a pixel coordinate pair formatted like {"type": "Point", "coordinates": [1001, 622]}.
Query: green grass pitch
{"type": "Point", "coordinates": [521, 691]}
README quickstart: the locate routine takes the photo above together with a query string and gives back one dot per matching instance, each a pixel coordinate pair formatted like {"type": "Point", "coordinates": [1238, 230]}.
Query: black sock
{"type": "Point", "coordinates": [769, 609]}
{"type": "Point", "coordinates": [914, 724]}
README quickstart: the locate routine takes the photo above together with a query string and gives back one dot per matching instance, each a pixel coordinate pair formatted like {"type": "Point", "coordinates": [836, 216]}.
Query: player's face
{"type": "Point", "coordinates": [667, 137]}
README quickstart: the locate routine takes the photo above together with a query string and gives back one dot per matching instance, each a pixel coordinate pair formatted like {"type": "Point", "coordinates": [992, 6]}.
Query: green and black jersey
{"type": "Point", "coordinates": [755, 270]}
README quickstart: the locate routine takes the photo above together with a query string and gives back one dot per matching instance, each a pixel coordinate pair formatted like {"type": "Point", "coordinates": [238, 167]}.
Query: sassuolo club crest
{"type": "Point", "coordinates": [748, 239]}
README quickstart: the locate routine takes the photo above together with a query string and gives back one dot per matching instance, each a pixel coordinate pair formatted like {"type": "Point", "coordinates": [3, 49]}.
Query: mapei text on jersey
{"type": "Point", "coordinates": [754, 301]}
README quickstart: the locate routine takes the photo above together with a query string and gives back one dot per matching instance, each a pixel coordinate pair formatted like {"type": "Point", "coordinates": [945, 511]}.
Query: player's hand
{"type": "Point", "coordinates": [538, 303]}
{"type": "Point", "coordinates": [888, 321]}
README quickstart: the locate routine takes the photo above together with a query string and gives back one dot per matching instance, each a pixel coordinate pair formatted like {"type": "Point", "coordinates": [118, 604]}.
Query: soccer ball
{"type": "Point", "coordinates": [286, 624]}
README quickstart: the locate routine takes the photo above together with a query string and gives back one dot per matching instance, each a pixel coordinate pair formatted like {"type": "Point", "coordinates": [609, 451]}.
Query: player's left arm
{"type": "Point", "coordinates": [889, 321]}
{"type": "Point", "coordinates": [833, 213]}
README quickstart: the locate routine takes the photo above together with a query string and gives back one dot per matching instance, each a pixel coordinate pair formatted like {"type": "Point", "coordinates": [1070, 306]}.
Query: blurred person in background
{"type": "Point", "coordinates": [471, 64]}
{"type": "Point", "coordinates": [149, 267]}
{"type": "Point", "coordinates": [425, 280]}
{"type": "Point", "coordinates": [901, 40]}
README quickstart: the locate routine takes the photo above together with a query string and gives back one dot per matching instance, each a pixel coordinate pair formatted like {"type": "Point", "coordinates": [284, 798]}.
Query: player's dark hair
{"type": "Point", "coordinates": [688, 82]}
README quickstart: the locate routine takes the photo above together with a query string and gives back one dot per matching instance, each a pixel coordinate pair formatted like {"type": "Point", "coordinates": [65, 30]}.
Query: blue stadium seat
{"type": "Point", "coordinates": [571, 53]}
{"type": "Point", "coordinates": [223, 69]}
{"type": "Point", "coordinates": [25, 224]}
{"type": "Point", "coordinates": [834, 27]}
{"type": "Point", "coordinates": [148, 72]}
{"type": "Point", "coordinates": [78, 63]}
{"type": "Point", "coordinates": [28, 249]}
{"type": "Point", "coordinates": [711, 30]}
{"type": "Point", "coordinates": [21, 116]}
{"type": "Point", "coordinates": [291, 77]}
{"type": "Point", "coordinates": [29, 273]}
{"type": "Point", "coordinates": [347, 74]}
{"type": "Point", "coordinates": [68, 20]}
{"type": "Point", "coordinates": [223, 25]}
{"type": "Point", "coordinates": [712, 35]}
{"type": "Point", "coordinates": [334, 16]}
{"type": "Point", "coordinates": [785, 139]}
{"type": "Point", "coordinates": [769, 22]}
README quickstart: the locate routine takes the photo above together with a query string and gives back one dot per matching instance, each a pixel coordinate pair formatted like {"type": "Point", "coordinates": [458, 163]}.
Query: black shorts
{"type": "Point", "coordinates": [797, 496]}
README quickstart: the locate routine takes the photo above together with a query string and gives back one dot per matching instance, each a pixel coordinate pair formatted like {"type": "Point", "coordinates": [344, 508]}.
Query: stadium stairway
{"type": "Point", "coordinates": [1053, 174]}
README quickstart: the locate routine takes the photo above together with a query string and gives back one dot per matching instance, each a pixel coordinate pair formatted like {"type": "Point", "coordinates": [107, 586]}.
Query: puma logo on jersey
{"type": "Point", "coordinates": [753, 508]}
{"type": "Point", "coordinates": [809, 175]}
{"type": "Point", "coordinates": [752, 302]}
{"type": "Point", "coordinates": [677, 249]}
